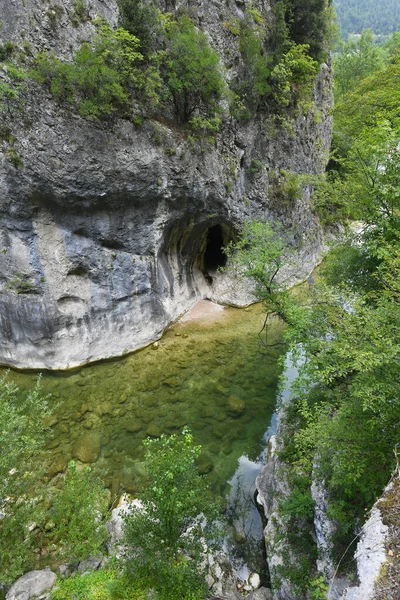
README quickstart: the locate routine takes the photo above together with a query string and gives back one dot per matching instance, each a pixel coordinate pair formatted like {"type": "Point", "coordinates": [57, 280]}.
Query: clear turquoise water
{"type": "Point", "coordinates": [215, 377]}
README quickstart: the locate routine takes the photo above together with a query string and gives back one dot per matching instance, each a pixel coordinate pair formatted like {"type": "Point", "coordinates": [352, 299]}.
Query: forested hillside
{"type": "Point", "coordinates": [382, 16]}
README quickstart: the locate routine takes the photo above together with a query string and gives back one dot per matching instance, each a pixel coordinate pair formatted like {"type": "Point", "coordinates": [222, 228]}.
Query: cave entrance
{"type": "Point", "coordinates": [214, 256]}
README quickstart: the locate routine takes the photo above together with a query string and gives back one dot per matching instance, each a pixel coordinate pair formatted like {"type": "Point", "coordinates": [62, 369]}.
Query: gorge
{"type": "Point", "coordinates": [112, 227]}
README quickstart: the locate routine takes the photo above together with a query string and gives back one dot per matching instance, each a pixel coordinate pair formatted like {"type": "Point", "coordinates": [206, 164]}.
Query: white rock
{"type": "Point", "coordinates": [35, 584]}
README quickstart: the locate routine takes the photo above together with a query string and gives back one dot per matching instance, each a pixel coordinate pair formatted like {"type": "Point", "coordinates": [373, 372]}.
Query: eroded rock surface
{"type": "Point", "coordinates": [106, 234]}
{"type": "Point", "coordinates": [35, 585]}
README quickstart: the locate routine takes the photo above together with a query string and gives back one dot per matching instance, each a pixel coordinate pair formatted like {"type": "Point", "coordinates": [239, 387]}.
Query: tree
{"type": "Point", "coordinates": [261, 254]}
{"type": "Point", "coordinates": [104, 77]}
{"type": "Point", "coordinates": [143, 21]}
{"type": "Point", "coordinates": [165, 539]}
{"type": "Point", "coordinates": [192, 72]}
{"type": "Point", "coordinates": [356, 60]}
{"type": "Point", "coordinates": [309, 22]}
{"type": "Point", "coordinates": [22, 436]}
{"type": "Point", "coordinates": [342, 423]}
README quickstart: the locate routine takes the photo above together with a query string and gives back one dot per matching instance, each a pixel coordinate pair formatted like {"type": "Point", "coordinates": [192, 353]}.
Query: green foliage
{"type": "Point", "coordinates": [6, 51]}
{"type": "Point", "coordinates": [298, 504]}
{"type": "Point", "coordinates": [343, 420]}
{"type": "Point", "coordinates": [192, 72]}
{"type": "Point", "coordinates": [103, 78]}
{"type": "Point", "coordinates": [318, 588]}
{"type": "Point", "coordinates": [20, 283]}
{"type": "Point", "coordinates": [254, 84]}
{"type": "Point", "coordinates": [259, 255]}
{"type": "Point", "coordinates": [144, 21]}
{"type": "Point", "coordinates": [165, 538]}
{"type": "Point", "coordinates": [293, 77]}
{"type": "Point", "coordinates": [282, 79]}
{"type": "Point", "coordinates": [105, 584]}
{"type": "Point", "coordinates": [11, 91]}
{"type": "Point", "coordinates": [308, 22]}
{"type": "Point", "coordinates": [356, 60]}
{"type": "Point", "coordinates": [383, 16]}
{"type": "Point", "coordinates": [17, 161]}
{"type": "Point", "coordinates": [78, 514]}
{"type": "Point", "coordinates": [392, 46]}
{"type": "Point", "coordinates": [22, 436]}
{"type": "Point", "coordinates": [285, 188]}
{"type": "Point", "coordinates": [81, 12]}
{"type": "Point", "coordinates": [347, 408]}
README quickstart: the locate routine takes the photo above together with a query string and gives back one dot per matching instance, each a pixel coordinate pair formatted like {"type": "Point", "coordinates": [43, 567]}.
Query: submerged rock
{"type": "Point", "coordinates": [87, 447]}
{"type": "Point", "coordinates": [235, 405]}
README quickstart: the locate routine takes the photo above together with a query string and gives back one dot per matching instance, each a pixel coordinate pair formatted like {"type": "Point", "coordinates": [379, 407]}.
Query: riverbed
{"type": "Point", "coordinates": [211, 371]}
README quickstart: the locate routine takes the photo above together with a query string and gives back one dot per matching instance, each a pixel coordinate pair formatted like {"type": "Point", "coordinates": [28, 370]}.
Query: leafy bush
{"type": "Point", "coordinates": [22, 435]}
{"type": "Point", "coordinates": [192, 72]}
{"type": "Point", "coordinates": [78, 515]}
{"type": "Point", "coordinates": [255, 82]}
{"type": "Point", "coordinates": [81, 11]}
{"type": "Point", "coordinates": [309, 22]}
{"type": "Point", "coordinates": [6, 51]}
{"type": "Point", "coordinates": [298, 504]}
{"type": "Point", "coordinates": [11, 91]}
{"type": "Point", "coordinates": [144, 21]}
{"type": "Point", "coordinates": [165, 539]}
{"type": "Point", "coordinates": [103, 78]}
{"type": "Point", "coordinates": [105, 584]}
{"type": "Point", "coordinates": [293, 77]}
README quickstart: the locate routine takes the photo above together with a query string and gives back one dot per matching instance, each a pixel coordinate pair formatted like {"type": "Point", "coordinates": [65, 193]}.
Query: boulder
{"type": "Point", "coordinates": [87, 447]}
{"type": "Point", "coordinates": [235, 405]}
{"type": "Point", "coordinates": [90, 564]}
{"type": "Point", "coordinates": [33, 585]}
{"type": "Point", "coordinates": [260, 594]}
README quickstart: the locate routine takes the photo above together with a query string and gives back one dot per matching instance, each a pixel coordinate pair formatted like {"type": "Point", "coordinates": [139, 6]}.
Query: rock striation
{"type": "Point", "coordinates": [110, 231]}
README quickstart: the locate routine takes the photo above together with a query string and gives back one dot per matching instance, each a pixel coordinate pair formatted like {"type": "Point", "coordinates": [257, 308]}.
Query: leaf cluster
{"type": "Point", "coordinates": [166, 538]}
{"type": "Point", "coordinates": [22, 435]}
{"type": "Point", "coordinates": [103, 77]}
{"type": "Point", "coordinates": [79, 514]}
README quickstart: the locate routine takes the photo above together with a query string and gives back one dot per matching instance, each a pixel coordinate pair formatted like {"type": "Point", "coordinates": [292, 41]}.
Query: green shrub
{"type": "Point", "coordinates": [81, 12]}
{"type": "Point", "coordinates": [105, 584]}
{"type": "Point", "coordinates": [165, 540]}
{"type": "Point", "coordinates": [293, 77]}
{"type": "Point", "coordinates": [309, 22]}
{"type": "Point", "coordinates": [192, 72]}
{"type": "Point", "coordinates": [298, 504]}
{"type": "Point", "coordinates": [144, 21]}
{"type": "Point", "coordinates": [78, 515]}
{"type": "Point", "coordinates": [22, 434]}
{"type": "Point", "coordinates": [103, 77]}
{"type": "Point", "coordinates": [255, 81]}
{"type": "Point", "coordinates": [16, 160]}
{"type": "Point", "coordinates": [11, 91]}
{"type": "Point", "coordinates": [6, 51]}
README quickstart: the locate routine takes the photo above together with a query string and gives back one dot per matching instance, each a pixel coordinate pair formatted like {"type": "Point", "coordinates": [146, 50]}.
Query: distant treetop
{"type": "Point", "coordinates": [382, 16]}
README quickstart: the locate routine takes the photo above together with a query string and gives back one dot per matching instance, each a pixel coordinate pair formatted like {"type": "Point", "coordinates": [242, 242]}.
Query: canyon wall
{"type": "Point", "coordinates": [111, 230]}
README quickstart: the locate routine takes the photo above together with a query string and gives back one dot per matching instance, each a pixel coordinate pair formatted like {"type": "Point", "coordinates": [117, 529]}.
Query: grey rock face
{"type": "Point", "coordinates": [105, 236]}
{"type": "Point", "coordinates": [32, 585]}
{"type": "Point", "coordinates": [272, 488]}
{"type": "Point", "coordinates": [260, 594]}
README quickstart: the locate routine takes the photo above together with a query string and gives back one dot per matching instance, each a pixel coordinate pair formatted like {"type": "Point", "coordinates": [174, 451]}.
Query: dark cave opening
{"type": "Point", "coordinates": [214, 256]}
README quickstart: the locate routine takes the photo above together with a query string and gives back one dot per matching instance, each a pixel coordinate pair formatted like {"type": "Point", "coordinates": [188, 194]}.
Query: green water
{"type": "Point", "coordinates": [215, 377]}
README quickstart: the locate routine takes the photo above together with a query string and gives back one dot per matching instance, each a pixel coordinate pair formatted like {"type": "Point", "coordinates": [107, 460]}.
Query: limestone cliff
{"type": "Point", "coordinates": [109, 231]}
